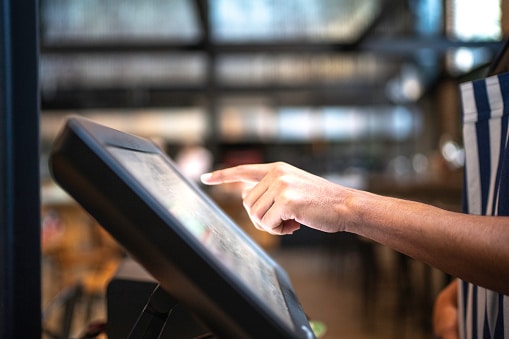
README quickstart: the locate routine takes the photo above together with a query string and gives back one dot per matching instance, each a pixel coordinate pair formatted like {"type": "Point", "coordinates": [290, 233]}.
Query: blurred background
{"type": "Point", "coordinates": [362, 92]}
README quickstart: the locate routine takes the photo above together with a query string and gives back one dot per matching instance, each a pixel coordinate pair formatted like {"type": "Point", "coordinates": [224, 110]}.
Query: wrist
{"type": "Point", "coordinates": [378, 218]}
{"type": "Point", "coordinates": [356, 212]}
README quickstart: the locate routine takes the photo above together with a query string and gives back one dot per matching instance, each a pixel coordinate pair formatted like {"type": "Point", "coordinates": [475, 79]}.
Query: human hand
{"type": "Point", "coordinates": [445, 313]}
{"type": "Point", "coordinates": [283, 197]}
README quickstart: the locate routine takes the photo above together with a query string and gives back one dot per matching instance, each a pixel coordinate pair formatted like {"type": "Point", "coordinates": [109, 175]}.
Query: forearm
{"type": "Point", "coordinates": [474, 248]}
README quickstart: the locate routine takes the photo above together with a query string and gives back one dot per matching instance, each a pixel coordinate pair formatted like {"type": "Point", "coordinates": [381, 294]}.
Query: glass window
{"type": "Point", "coordinates": [475, 20]}
{"type": "Point", "coordinates": [316, 20]}
{"type": "Point", "coordinates": [78, 21]}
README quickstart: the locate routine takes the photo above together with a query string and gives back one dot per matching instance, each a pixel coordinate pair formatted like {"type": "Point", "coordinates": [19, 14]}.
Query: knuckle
{"type": "Point", "coordinates": [279, 167]}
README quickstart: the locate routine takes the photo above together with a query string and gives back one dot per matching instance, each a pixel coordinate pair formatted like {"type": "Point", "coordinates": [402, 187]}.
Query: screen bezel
{"type": "Point", "coordinates": [81, 163]}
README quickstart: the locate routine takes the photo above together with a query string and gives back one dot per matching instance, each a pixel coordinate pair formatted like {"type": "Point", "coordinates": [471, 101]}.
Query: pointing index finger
{"type": "Point", "coordinates": [241, 173]}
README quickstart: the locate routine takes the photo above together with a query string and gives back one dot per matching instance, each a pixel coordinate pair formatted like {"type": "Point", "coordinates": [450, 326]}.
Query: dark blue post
{"type": "Point", "coordinates": [20, 254]}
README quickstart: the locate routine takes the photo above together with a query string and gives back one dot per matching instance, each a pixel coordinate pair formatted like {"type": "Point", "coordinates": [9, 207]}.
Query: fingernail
{"type": "Point", "coordinates": [205, 177]}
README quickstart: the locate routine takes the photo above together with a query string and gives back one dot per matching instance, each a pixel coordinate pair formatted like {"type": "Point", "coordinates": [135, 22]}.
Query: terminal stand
{"type": "Point", "coordinates": [151, 322]}
{"type": "Point", "coordinates": [134, 297]}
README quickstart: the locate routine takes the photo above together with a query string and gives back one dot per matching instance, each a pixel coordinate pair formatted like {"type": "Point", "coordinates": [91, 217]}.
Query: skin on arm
{"type": "Point", "coordinates": [283, 197]}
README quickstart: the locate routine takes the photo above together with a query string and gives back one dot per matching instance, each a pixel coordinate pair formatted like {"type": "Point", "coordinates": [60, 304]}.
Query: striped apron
{"type": "Point", "coordinates": [484, 313]}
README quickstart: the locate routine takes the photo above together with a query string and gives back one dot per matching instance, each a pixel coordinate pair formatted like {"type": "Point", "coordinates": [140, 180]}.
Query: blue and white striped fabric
{"type": "Point", "coordinates": [484, 313]}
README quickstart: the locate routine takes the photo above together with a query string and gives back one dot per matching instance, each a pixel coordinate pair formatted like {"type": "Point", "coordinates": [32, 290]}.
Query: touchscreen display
{"type": "Point", "coordinates": [218, 237]}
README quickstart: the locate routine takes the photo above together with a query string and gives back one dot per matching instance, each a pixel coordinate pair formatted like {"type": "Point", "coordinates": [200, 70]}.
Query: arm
{"type": "Point", "coordinates": [474, 248]}
{"type": "Point", "coordinates": [445, 313]}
